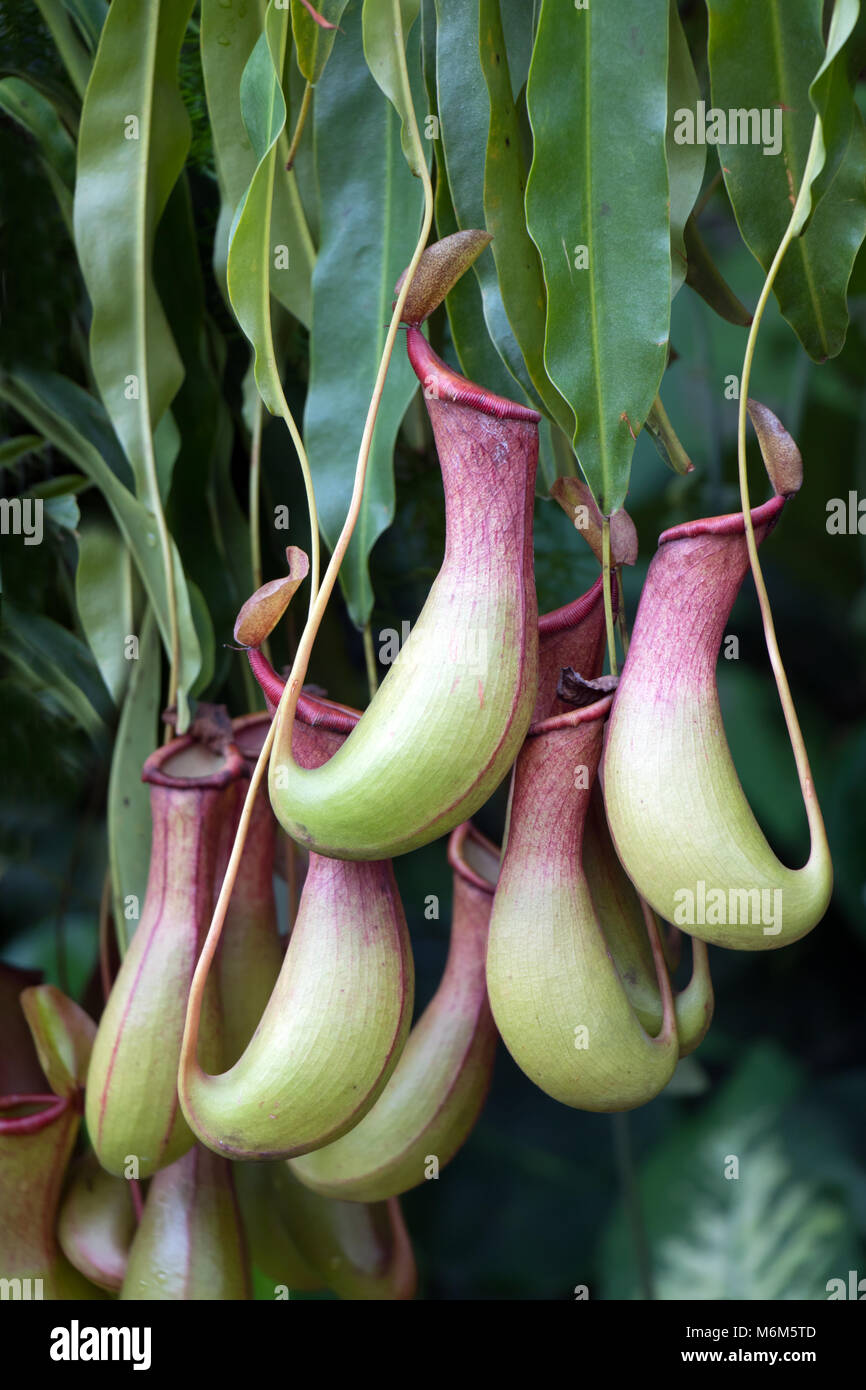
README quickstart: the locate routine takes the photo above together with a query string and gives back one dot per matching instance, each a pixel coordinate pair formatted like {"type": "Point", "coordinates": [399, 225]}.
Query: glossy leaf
{"type": "Point", "coordinates": [129, 822]}
{"type": "Point", "coordinates": [251, 245]}
{"type": "Point", "coordinates": [313, 43]}
{"type": "Point", "coordinates": [386, 23]}
{"type": "Point", "coordinates": [57, 662]}
{"type": "Point", "coordinates": [464, 118]}
{"type": "Point", "coordinates": [104, 598]}
{"type": "Point", "coordinates": [13, 450]}
{"type": "Point", "coordinates": [757, 63]}
{"type": "Point", "coordinates": [36, 114]}
{"type": "Point", "coordinates": [227, 37]}
{"type": "Point", "coordinates": [597, 208]}
{"type": "Point", "coordinates": [518, 22]}
{"type": "Point", "coordinates": [369, 221]}
{"type": "Point", "coordinates": [705, 278]}
{"type": "Point", "coordinates": [132, 145]}
{"type": "Point", "coordinates": [124, 181]}
{"type": "Point", "coordinates": [89, 16]}
{"type": "Point", "coordinates": [72, 422]}
{"type": "Point", "coordinates": [518, 266]}
{"type": "Point", "coordinates": [270, 234]}
{"type": "Point", "coordinates": [476, 353]}
{"type": "Point", "coordinates": [685, 162]}
{"type": "Point", "coordinates": [832, 96]}
{"type": "Point", "coordinates": [75, 57]}
{"type": "Point", "coordinates": [204, 428]}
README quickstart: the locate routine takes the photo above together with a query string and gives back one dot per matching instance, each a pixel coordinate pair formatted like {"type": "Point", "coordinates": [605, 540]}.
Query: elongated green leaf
{"type": "Point", "coordinates": [518, 26]}
{"type": "Point", "coordinates": [66, 416]}
{"type": "Point", "coordinates": [62, 485]}
{"type": "Point", "coordinates": [13, 450]}
{"type": "Point", "coordinates": [369, 225]}
{"type": "Point", "coordinates": [132, 144]}
{"type": "Point", "coordinates": [761, 64]}
{"type": "Point", "coordinates": [685, 162]}
{"type": "Point", "coordinates": [57, 662]}
{"type": "Point", "coordinates": [89, 16]}
{"type": "Point", "coordinates": [597, 209]}
{"type": "Point", "coordinates": [313, 43]}
{"type": "Point", "coordinates": [476, 354]}
{"type": "Point", "coordinates": [205, 634]}
{"type": "Point", "coordinates": [816, 306]}
{"type": "Point", "coordinates": [386, 26]}
{"type": "Point", "coordinates": [832, 96]}
{"type": "Point", "coordinates": [133, 141]}
{"type": "Point", "coordinates": [26, 105]}
{"type": "Point", "coordinates": [129, 824]}
{"type": "Point", "coordinates": [464, 118]}
{"type": "Point", "coordinates": [252, 249]}
{"type": "Point", "coordinates": [705, 278]}
{"type": "Point", "coordinates": [75, 57]}
{"type": "Point", "coordinates": [518, 266]}
{"type": "Point", "coordinates": [229, 32]}
{"type": "Point", "coordinates": [103, 595]}
{"type": "Point", "coordinates": [201, 418]}
{"type": "Point", "coordinates": [304, 166]}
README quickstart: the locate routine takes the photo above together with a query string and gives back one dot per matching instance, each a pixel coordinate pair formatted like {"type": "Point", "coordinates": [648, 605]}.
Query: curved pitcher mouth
{"type": "Point", "coordinates": [250, 732]}
{"type": "Point", "coordinates": [316, 711]}
{"type": "Point", "coordinates": [321, 713]}
{"type": "Point", "coordinates": [451, 386]}
{"type": "Point", "coordinates": [561, 619]}
{"type": "Point", "coordinates": [53, 1107]}
{"type": "Point", "coordinates": [185, 764]}
{"type": "Point", "coordinates": [729, 524]}
{"type": "Point", "coordinates": [466, 843]}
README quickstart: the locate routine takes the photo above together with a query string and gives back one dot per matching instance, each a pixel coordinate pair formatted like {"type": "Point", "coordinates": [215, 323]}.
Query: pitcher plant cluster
{"type": "Point", "coordinates": [243, 1101]}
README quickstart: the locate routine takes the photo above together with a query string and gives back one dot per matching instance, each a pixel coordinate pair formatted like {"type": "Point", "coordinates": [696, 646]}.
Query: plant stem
{"type": "Point", "coordinates": [299, 124]}
{"type": "Point", "coordinates": [608, 604]}
{"type": "Point", "coordinates": [631, 1197]}
{"type": "Point", "coordinates": [817, 832]}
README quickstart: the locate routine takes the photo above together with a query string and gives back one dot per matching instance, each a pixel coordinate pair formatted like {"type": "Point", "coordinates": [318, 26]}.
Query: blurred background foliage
{"type": "Point", "coordinates": [532, 1207]}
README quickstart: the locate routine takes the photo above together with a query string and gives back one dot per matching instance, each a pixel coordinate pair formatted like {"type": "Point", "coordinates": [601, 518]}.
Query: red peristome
{"type": "Point", "coordinates": [451, 386]}
{"type": "Point", "coordinates": [31, 1124]}
{"type": "Point", "coordinates": [153, 772]}
{"type": "Point", "coordinates": [562, 619]}
{"type": "Point", "coordinates": [272, 685]}
{"type": "Point", "coordinates": [569, 636]}
{"type": "Point", "coordinates": [313, 710]}
{"type": "Point", "coordinates": [457, 858]}
{"type": "Point", "coordinates": [731, 524]}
